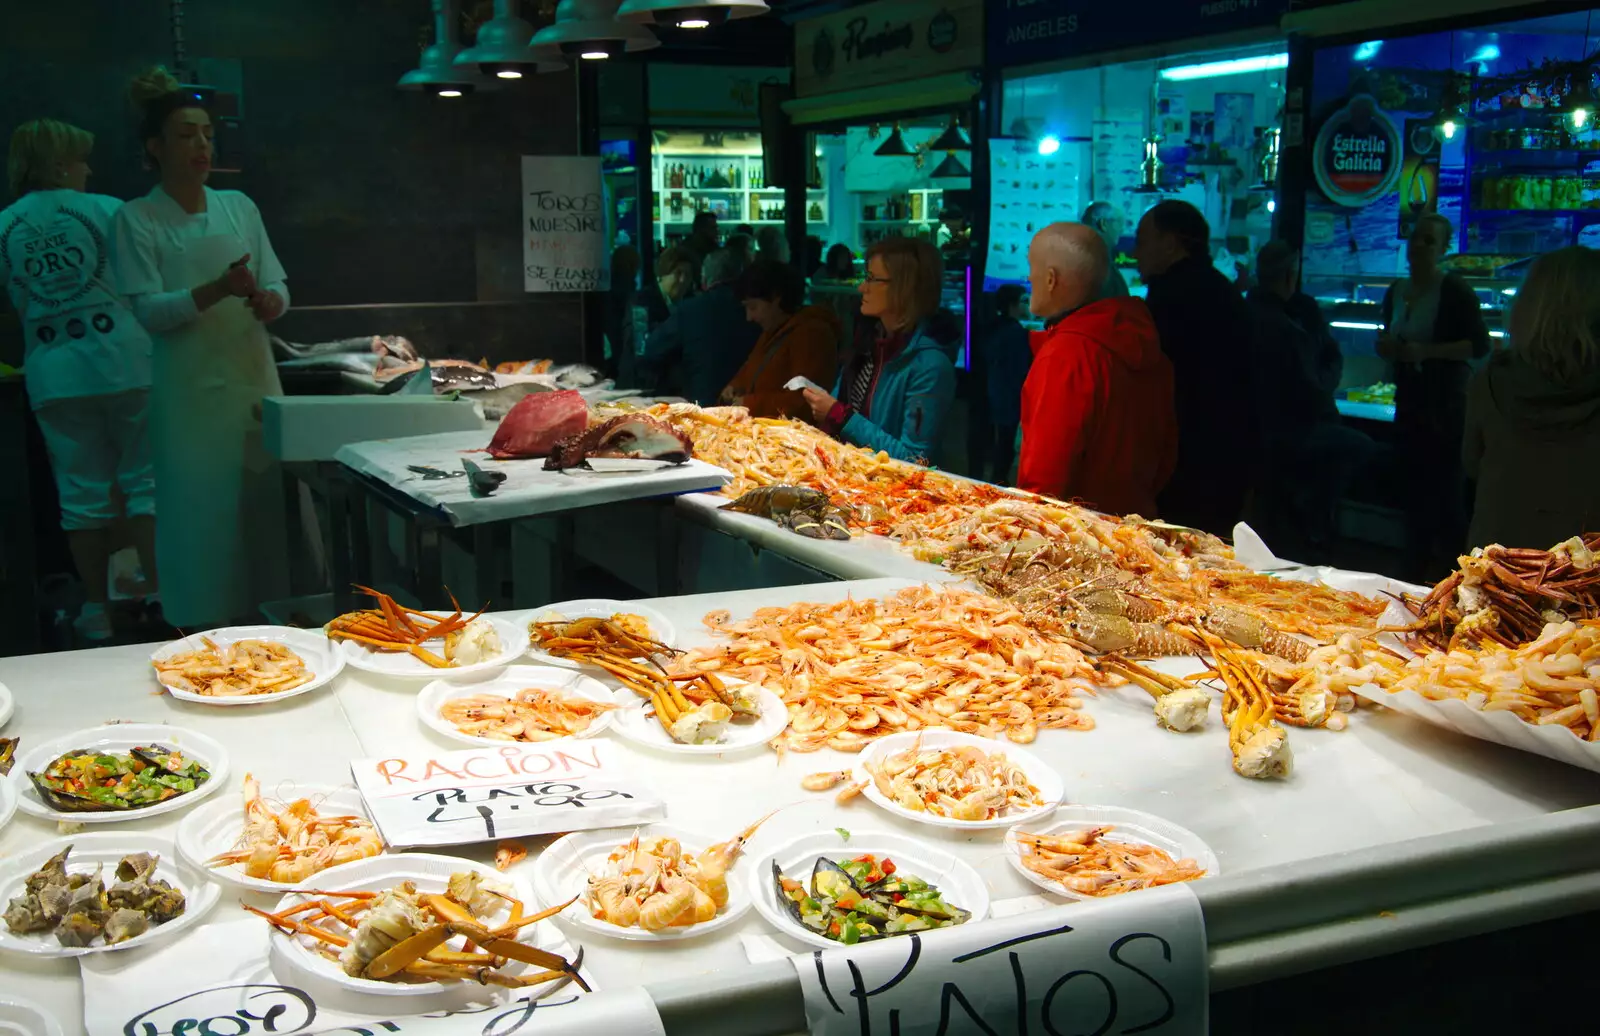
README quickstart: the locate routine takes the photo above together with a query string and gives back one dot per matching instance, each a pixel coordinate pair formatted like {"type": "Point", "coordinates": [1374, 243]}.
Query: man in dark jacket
{"type": "Point", "coordinates": [701, 346]}
{"type": "Point", "coordinates": [1205, 331]}
{"type": "Point", "coordinates": [1310, 456]}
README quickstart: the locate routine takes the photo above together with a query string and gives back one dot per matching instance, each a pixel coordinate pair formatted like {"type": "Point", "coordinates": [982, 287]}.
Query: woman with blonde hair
{"type": "Point", "coordinates": [201, 274]}
{"type": "Point", "coordinates": [895, 394]}
{"type": "Point", "coordinates": [1533, 412]}
{"type": "Point", "coordinates": [87, 360]}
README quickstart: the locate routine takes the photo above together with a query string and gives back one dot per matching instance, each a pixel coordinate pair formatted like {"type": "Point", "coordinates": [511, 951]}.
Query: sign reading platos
{"type": "Point", "coordinates": [886, 42]}
{"type": "Point", "coordinates": [1357, 157]}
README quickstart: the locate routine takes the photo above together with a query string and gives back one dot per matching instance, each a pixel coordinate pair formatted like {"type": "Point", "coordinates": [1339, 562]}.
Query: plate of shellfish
{"type": "Point", "coordinates": [518, 703]}
{"type": "Point", "coordinates": [950, 779]}
{"type": "Point", "coordinates": [650, 883]}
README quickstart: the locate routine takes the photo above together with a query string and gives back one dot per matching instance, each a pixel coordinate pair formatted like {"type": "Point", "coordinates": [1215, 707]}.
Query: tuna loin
{"type": "Point", "coordinates": [535, 426]}
{"type": "Point", "coordinates": [637, 436]}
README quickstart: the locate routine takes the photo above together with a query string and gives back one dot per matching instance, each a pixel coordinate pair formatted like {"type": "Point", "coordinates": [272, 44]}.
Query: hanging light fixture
{"type": "Point", "coordinates": [688, 14]}
{"type": "Point", "coordinates": [590, 30]}
{"type": "Point", "coordinates": [952, 139]}
{"type": "Point", "coordinates": [435, 73]}
{"type": "Point", "coordinates": [950, 169]}
{"type": "Point", "coordinates": [895, 145]}
{"type": "Point", "coordinates": [501, 49]}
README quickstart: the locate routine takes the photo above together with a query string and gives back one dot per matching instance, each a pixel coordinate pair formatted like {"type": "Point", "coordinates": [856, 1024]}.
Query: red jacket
{"type": "Point", "coordinates": [1097, 415]}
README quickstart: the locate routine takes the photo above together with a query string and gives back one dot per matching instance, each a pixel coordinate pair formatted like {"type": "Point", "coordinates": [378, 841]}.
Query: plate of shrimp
{"type": "Point", "coordinates": [1093, 852]}
{"type": "Point", "coordinates": [269, 842]}
{"type": "Point", "coordinates": [950, 779]}
{"type": "Point", "coordinates": [651, 883]}
{"type": "Point", "coordinates": [517, 703]}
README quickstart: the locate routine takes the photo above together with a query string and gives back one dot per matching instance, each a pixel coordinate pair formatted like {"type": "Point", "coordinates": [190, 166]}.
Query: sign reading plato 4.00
{"type": "Point", "coordinates": [482, 794]}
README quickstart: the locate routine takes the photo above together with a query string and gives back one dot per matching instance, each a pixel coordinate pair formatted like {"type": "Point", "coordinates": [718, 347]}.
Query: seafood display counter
{"type": "Point", "coordinates": [1389, 834]}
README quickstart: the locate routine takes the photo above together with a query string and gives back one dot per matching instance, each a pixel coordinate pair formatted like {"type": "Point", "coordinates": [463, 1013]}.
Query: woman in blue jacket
{"type": "Point", "coordinates": [895, 395]}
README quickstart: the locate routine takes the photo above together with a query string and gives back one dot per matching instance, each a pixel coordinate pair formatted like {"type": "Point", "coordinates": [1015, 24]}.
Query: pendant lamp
{"type": "Point", "coordinates": [589, 29]}
{"type": "Point", "coordinates": [895, 145]}
{"type": "Point", "coordinates": [502, 48]}
{"type": "Point", "coordinates": [950, 169]}
{"type": "Point", "coordinates": [435, 73]}
{"type": "Point", "coordinates": [952, 139]}
{"type": "Point", "coordinates": [688, 14]}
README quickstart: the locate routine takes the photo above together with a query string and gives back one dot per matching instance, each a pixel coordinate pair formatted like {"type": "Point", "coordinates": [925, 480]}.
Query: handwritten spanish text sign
{"type": "Point", "coordinates": [481, 794]}
{"type": "Point", "coordinates": [563, 225]}
{"type": "Point", "coordinates": [1130, 964]}
{"type": "Point", "coordinates": [228, 984]}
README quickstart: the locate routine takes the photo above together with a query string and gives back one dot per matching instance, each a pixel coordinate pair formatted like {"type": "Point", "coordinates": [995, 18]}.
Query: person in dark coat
{"type": "Point", "coordinates": [1533, 411]}
{"type": "Point", "coordinates": [705, 340]}
{"type": "Point", "coordinates": [1310, 456]}
{"type": "Point", "coordinates": [1205, 330]}
{"type": "Point", "coordinates": [1007, 357]}
{"type": "Point", "coordinates": [1433, 329]}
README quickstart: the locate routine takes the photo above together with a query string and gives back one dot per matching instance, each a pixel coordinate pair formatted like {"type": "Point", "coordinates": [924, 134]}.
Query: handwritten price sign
{"type": "Point", "coordinates": [563, 225]}
{"type": "Point", "coordinates": [479, 795]}
{"type": "Point", "coordinates": [1132, 964]}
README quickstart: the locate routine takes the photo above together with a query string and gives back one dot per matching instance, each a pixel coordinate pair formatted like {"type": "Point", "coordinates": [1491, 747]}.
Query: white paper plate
{"type": "Point", "coordinates": [106, 848]}
{"type": "Point", "coordinates": [119, 737]}
{"type": "Point", "coordinates": [562, 871]}
{"type": "Point", "coordinates": [595, 608]}
{"type": "Point", "coordinates": [430, 873]}
{"type": "Point", "coordinates": [637, 722]}
{"type": "Point", "coordinates": [1043, 776]}
{"type": "Point", "coordinates": [8, 802]}
{"type": "Point", "coordinates": [513, 640]}
{"type": "Point", "coordinates": [8, 704]}
{"type": "Point", "coordinates": [22, 1017]}
{"type": "Point", "coordinates": [505, 684]}
{"type": "Point", "coordinates": [960, 885]}
{"type": "Point", "coordinates": [215, 828]}
{"type": "Point", "coordinates": [1503, 728]}
{"type": "Point", "coordinates": [1132, 825]}
{"type": "Point", "coordinates": [319, 655]}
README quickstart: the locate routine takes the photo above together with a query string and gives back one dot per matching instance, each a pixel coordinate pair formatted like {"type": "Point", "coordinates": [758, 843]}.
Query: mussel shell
{"type": "Point", "coordinates": [783, 897]}
{"type": "Point", "coordinates": [68, 801]}
{"type": "Point", "coordinates": [828, 867]}
{"type": "Point", "coordinates": [157, 755]}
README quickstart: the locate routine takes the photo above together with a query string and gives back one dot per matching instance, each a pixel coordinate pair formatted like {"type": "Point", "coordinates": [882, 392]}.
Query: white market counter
{"type": "Point", "coordinates": [1445, 835]}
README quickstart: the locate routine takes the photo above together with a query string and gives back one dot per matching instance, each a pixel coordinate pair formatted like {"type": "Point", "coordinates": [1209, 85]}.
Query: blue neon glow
{"type": "Point", "coordinates": [1368, 50]}
{"type": "Point", "coordinates": [1049, 145]}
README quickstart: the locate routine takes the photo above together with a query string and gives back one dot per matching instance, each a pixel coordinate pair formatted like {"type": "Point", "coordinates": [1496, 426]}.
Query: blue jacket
{"type": "Point", "coordinates": [706, 339]}
{"type": "Point", "coordinates": [911, 396]}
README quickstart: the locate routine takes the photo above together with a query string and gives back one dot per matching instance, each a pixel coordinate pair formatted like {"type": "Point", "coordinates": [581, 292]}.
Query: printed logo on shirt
{"type": "Point", "coordinates": [57, 258]}
{"type": "Point", "coordinates": [76, 328]}
{"type": "Point", "coordinates": [47, 334]}
{"type": "Point", "coordinates": [102, 322]}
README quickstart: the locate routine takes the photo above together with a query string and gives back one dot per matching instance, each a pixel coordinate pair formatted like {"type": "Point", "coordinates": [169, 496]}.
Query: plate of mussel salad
{"type": "Point", "coordinates": [97, 892]}
{"type": "Point", "coordinates": [834, 888]}
{"type": "Point", "coordinates": [118, 772]}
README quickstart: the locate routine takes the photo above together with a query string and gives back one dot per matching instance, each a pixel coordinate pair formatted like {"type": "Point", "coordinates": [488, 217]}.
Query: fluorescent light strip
{"type": "Point", "coordinates": [1497, 334]}
{"type": "Point", "coordinates": [1354, 325]}
{"type": "Point", "coordinates": [1236, 66]}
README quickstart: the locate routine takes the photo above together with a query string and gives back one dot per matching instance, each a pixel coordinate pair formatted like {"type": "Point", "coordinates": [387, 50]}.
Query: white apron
{"type": "Point", "coordinates": [220, 540]}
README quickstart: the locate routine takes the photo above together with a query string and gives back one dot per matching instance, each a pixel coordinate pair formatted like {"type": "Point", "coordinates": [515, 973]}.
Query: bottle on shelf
{"type": "Point", "coordinates": [814, 213]}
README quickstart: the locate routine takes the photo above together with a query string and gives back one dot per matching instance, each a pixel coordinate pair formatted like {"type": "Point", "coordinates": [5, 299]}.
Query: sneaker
{"type": "Point", "coordinates": [93, 622]}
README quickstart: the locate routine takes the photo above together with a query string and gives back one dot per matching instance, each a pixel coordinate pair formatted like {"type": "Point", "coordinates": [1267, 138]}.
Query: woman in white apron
{"type": "Point", "coordinates": [198, 268]}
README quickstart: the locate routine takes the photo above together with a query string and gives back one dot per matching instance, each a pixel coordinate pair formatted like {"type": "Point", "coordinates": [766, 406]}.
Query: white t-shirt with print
{"type": "Point", "coordinates": [81, 339]}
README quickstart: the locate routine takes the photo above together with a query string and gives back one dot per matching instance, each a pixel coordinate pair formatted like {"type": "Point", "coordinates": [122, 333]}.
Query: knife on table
{"type": "Point", "coordinates": [483, 483]}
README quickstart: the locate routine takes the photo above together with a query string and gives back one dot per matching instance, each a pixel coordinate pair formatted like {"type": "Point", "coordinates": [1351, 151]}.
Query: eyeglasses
{"type": "Point", "coordinates": [874, 279]}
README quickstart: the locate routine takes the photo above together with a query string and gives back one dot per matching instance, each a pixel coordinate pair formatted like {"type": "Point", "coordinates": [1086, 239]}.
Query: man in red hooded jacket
{"type": "Point", "coordinates": [1097, 415]}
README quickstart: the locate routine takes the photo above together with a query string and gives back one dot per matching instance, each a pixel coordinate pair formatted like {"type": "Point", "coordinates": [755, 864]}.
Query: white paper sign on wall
{"type": "Point", "coordinates": [1130, 964]}
{"type": "Point", "coordinates": [563, 225]}
{"type": "Point", "coordinates": [481, 794]}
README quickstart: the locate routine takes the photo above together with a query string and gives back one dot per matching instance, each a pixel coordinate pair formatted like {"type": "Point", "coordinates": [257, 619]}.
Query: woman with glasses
{"type": "Point", "coordinates": [894, 395]}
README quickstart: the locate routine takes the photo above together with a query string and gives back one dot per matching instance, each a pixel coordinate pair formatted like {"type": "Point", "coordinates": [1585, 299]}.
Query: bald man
{"type": "Point", "coordinates": [1097, 418]}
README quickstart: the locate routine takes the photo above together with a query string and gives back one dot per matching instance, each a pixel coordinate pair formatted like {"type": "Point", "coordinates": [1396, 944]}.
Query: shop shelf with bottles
{"type": "Point", "coordinates": [730, 185]}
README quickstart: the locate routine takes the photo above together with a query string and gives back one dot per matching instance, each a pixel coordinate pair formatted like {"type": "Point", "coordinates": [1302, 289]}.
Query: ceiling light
{"type": "Point", "coordinates": [1232, 67]}
{"type": "Point", "coordinates": [1368, 50]}
{"type": "Point", "coordinates": [502, 47]}
{"type": "Point", "coordinates": [950, 169]}
{"type": "Point", "coordinates": [436, 73]}
{"type": "Point", "coordinates": [895, 145]}
{"type": "Point", "coordinates": [688, 14]}
{"type": "Point", "coordinates": [952, 139]}
{"type": "Point", "coordinates": [1049, 144]}
{"type": "Point", "coordinates": [591, 30]}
